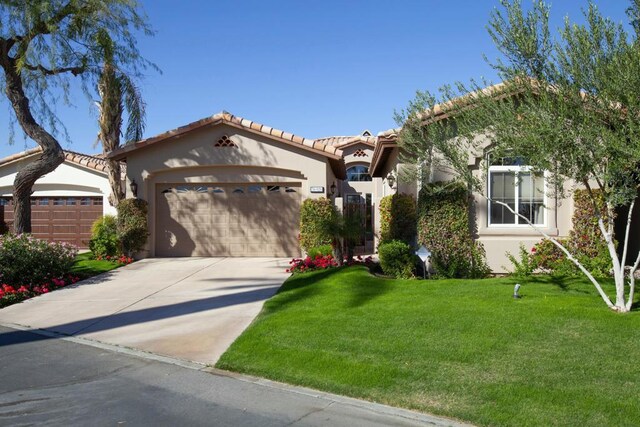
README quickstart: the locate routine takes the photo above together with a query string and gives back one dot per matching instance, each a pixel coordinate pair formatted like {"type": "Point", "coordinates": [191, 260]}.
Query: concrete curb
{"type": "Point", "coordinates": [287, 388]}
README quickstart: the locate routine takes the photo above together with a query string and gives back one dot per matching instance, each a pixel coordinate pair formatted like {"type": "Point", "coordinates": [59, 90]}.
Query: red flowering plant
{"type": "Point", "coordinates": [300, 265]}
{"type": "Point", "coordinates": [10, 295]}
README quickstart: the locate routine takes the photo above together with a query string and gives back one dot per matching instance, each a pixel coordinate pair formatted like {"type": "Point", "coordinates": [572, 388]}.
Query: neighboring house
{"type": "Point", "coordinates": [64, 202]}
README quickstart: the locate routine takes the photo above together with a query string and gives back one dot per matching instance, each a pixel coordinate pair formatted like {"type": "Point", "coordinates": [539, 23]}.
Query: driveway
{"type": "Point", "coordinates": [187, 308]}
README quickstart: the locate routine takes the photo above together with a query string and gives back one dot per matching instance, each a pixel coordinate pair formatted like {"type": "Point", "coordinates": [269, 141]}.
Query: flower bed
{"type": "Point", "coordinates": [120, 260]}
{"type": "Point", "coordinates": [10, 295]}
{"type": "Point", "coordinates": [320, 262]}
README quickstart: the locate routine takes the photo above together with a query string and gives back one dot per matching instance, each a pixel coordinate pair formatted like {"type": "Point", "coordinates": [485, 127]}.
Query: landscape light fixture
{"type": "Point", "coordinates": [134, 188]}
{"type": "Point", "coordinates": [516, 288]}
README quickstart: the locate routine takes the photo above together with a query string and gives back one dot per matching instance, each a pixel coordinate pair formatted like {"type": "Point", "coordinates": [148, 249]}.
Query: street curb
{"type": "Point", "coordinates": [379, 408]}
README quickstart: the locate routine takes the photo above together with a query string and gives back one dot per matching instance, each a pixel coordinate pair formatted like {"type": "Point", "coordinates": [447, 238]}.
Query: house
{"type": "Point", "coordinates": [65, 202]}
{"type": "Point", "coordinates": [228, 186]}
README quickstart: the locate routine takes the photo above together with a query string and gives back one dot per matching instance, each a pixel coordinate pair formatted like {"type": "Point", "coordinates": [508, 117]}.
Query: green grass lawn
{"type": "Point", "coordinates": [86, 267]}
{"type": "Point", "coordinates": [460, 348]}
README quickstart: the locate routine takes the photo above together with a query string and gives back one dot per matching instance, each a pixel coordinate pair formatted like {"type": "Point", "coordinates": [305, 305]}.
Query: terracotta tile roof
{"type": "Point", "coordinates": [229, 119]}
{"type": "Point", "coordinates": [92, 162]}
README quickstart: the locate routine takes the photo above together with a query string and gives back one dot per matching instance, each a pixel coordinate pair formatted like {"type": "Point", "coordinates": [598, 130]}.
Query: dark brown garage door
{"type": "Point", "coordinates": [59, 219]}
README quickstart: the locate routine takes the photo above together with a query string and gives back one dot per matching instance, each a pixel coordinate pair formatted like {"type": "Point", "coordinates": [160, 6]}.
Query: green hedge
{"type": "Point", "coordinates": [444, 228]}
{"type": "Point", "coordinates": [104, 237]}
{"type": "Point", "coordinates": [314, 215]}
{"type": "Point", "coordinates": [132, 225]}
{"type": "Point", "coordinates": [398, 218]}
{"type": "Point", "coordinates": [397, 259]}
{"type": "Point", "coordinates": [585, 241]}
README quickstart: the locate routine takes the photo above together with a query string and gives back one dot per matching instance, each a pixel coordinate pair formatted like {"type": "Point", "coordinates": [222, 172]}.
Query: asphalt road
{"type": "Point", "coordinates": [52, 381]}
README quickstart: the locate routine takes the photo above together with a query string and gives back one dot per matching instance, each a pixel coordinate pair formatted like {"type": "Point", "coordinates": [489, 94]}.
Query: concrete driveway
{"type": "Point", "coordinates": [188, 308]}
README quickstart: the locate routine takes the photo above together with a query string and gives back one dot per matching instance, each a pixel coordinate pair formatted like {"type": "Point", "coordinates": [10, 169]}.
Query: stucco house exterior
{"type": "Point", "coordinates": [228, 186]}
{"type": "Point", "coordinates": [64, 202]}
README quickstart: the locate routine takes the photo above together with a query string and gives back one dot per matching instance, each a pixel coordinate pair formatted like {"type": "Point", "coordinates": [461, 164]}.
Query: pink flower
{"type": "Point", "coordinates": [23, 289]}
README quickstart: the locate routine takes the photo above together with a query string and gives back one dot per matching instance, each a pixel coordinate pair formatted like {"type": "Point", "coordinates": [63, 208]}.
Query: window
{"type": "Point", "coordinates": [514, 184]}
{"type": "Point", "coordinates": [255, 189]}
{"type": "Point", "coordinates": [238, 190]}
{"type": "Point", "coordinates": [4, 202]}
{"type": "Point", "coordinates": [358, 173]}
{"type": "Point", "coordinates": [86, 201]}
{"type": "Point", "coordinates": [273, 188]}
{"type": "Point", "coordinates": [71, 201]}
{"type": "Point", "coordinates": [58, 202]}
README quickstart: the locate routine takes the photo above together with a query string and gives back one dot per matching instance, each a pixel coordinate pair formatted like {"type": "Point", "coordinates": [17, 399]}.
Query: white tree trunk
{"type": "Point", "coordinates": [570, 257]}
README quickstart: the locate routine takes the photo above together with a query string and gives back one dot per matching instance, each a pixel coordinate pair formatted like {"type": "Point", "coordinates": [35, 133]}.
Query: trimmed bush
{"type": "Point", "coordinates": [315, 214]}
{"type": "Point", "coordinates": [398, 218]}
{"type": "Point", "coordinates": [397, 259]}
{"type": "Point", "coordinates": [104, 237]}
{"type": "Point", "coordinates": [323, 250]}
{"type": "Point", "coordinates": [444, 228]}
{"type": "Point", "coordinates": [132, 225]}
{"type": "Point", "coordinates": [585, 242]}
{"type": "Point", "coordinates": [27, 261]}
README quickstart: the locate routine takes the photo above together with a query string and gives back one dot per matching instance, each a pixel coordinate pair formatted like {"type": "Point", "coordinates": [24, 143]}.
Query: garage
{"type": "Point", "coordinates": [254, 219]}
{"type": "Point", "coordinates": [59, 219]}
{"type": "Point", "coordinates": [225, 186]}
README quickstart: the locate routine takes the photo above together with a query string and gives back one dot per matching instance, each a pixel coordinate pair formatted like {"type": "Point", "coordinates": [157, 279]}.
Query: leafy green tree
{"type": "Point", "coordinates": [43, 45]}
{"type": "Point", "coordinates": [568, 104]}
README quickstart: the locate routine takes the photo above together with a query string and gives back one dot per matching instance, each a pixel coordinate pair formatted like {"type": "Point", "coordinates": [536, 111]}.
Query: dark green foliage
{"type": "Point", "coordinates": [444, 228]}
{"type": "Point", "coordinates": [104, 237]}
{"type": "Point", "coordinates": [585, 241]}
{"type": "Point", "coordinates": [25, 260]}
{"type": "Point", "coordinates": [397, 259]}
{"type": "Point", "coordinates": [314, 215]}
{"type": "Point", "coordinates": [398, 218]}
{"type": "Point", "coordinates": [322, 250]}
{"type": "Point", "coordinates": [132, 225]}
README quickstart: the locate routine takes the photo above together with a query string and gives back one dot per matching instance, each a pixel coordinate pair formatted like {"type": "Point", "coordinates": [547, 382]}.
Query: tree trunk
{"type": "Point", "coordinates": [52, 154]}
{"type": "Point", "coordinates": [110, 126]}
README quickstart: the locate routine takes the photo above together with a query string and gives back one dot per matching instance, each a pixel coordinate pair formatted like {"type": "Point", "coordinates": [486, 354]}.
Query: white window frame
{"type": "Point", "coordinates": [520, 223]}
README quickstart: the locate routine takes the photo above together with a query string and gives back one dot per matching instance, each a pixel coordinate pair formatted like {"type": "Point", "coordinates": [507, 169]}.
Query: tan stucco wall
{"type": "Point", "coordinates": [193, 158]}
{"type": "Point", "coordinates": [498, 240]}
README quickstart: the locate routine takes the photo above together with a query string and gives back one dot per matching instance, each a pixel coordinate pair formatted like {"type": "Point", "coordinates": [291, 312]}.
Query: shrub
{"type": "Point", "coordinates": [397, 259]}
{"type": "Point", "coordinates": [104, 237]}
{"type": "Point", "coordinates": [27, 261]}
{"type": "Point", "coordinates": [398, 218]}
{"type": "Point", "coordinates": [132, 225]}
{"type": "Point", "coordinates": [525, 265]}
{"type": "Point", "coordinates": [585, 242]}
{"type": "Point", "coordinates": [444, 228]}
{"type": "Point", "coordinates": [315, 214]}
{"type": "Point", "coordinates": [322, 250]}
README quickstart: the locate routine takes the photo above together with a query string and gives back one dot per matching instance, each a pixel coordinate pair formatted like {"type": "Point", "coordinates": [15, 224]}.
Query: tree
{"type": "Point", "coordinates": [118, 93]}
{"type": "Point", "coordinates": [42, 45]}
{"type": "Point", "coordinates": [570, 105]}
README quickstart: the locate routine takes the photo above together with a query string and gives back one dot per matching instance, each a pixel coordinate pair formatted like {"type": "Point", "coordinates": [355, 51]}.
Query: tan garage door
{"type": "Point", "coordinates": [227, 220]}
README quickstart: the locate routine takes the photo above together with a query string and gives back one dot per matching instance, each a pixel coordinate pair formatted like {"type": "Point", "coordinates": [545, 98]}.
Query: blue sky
{"type": "Point", "coordinates": [310, 67]}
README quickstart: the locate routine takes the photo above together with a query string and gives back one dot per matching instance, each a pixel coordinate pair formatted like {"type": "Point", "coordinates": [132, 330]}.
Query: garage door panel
{"type": "Point", "coordinates": [240, 221]}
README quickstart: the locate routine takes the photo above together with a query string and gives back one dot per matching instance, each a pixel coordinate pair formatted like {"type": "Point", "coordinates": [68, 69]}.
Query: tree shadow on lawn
{"type": "Point", "coordinates": [564, 283]}
{"type": "Point", "coordinates": [362, 287]}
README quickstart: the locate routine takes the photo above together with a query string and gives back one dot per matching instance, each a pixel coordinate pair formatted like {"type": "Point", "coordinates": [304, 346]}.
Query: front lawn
{"type": "Point", "coordinates": [460, 348]}
{"type": "Point", "coordinates": [85, 266]}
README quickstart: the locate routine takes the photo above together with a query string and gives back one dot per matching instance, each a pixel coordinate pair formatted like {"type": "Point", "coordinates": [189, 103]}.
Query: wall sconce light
{"type": "Point", "coordinates": [391, 179]}
{"type": "Point", "coordinates": [134, 188]}
{"type": "Point", "coordinates": [333, 188]}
